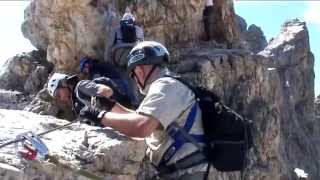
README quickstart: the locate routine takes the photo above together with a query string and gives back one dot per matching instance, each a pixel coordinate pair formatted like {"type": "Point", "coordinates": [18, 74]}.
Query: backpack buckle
{"type": "Point", "coordinates": [169, 153]}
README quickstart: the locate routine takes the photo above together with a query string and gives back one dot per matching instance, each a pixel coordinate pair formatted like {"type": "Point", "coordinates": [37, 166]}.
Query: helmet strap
{"type": "Point", "coordinates": [147, 78]}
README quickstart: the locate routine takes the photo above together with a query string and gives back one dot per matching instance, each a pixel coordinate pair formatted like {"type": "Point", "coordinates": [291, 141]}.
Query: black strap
{"type": "Point", "coordinates": [195, 158]}
{"type": "Point", "coordinates": [115, 39]}
{"type": "Point", "coordinates": [191, 160]}
{"type": "Point", "coordinates": [206, 175]}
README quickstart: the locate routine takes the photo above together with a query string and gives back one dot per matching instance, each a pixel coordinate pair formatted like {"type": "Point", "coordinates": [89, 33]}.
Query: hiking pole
{"type": "Point", "coordinates": [40, 134]}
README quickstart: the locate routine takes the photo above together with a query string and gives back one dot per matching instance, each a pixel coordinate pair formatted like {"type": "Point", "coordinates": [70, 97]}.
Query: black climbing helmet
{"type": "Point", "coordinates": [147, 53]}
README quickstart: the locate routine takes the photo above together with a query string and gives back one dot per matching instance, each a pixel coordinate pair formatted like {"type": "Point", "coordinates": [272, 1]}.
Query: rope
{"type": "Point", "coordinates": [40, 134]}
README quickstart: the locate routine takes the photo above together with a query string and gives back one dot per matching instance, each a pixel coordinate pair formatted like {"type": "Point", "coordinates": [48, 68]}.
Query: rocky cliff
{"type": "Point", "coordinates": [267, 87]}
{"type": "Point", "coordinates": [317, 106]}
{"type": "Point", "coordinates": [272, 84]}
{"type": "Point", "coordinates": [76, 152]}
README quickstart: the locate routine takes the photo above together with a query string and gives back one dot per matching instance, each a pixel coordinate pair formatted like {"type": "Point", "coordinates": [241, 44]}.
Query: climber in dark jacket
{"type": "Point", "coordinates": [92, 68]}
{"type": "Point", "coordinates": [71, 91]}
{"type": "Point", "coordinates": [207, 18]}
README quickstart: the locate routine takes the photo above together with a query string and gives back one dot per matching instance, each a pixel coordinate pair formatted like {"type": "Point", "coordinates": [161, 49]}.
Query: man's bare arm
{"type": "Point", "coordinates": [131, 124]}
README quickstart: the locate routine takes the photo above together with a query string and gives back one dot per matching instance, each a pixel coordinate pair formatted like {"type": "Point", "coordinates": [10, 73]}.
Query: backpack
{"type": "Point", "coordinates": [227, 135]}
{"type": "Point", "coordinates": [128, 31]}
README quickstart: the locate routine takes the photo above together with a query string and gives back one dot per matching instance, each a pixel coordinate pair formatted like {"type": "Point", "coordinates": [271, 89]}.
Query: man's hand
{"type": "Point", "coordinates": [106, 103]}
{"type": "Point", "coordinates": [92, 113]}
{"type": "Point", "coordinates": [104, 91]}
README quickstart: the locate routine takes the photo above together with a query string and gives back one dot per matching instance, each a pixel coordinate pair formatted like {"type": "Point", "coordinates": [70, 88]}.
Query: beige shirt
{"type": "Point", "coordinates": [169, 100]}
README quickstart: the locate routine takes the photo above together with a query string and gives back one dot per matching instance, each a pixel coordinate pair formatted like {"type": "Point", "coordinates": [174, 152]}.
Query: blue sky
{"type": "Point", "coordinates": [269, 15]}
{"type": "Point", "coordinates": [11, 39]}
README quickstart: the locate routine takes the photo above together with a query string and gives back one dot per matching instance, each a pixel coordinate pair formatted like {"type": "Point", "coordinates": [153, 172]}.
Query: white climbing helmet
{"type": "Point", "coordinates": [128, 17]}
{"type": "Point", "coordinates": [54, 81]}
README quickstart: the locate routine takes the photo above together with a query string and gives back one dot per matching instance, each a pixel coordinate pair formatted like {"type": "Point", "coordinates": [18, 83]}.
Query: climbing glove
{"type": "Point", "coordinates": [106, 103]}
{"type": "Point", "coordinates": [93, 114]}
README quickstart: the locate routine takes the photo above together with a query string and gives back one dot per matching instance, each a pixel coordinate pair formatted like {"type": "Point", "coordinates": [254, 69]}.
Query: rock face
{"type": "Point", "coordinates": [12, 99]}
{"type": "Point", "coordinates": [21, 78]}
{"type": "Point", "coordinates": [98, 152]}
{"type": "Point", "coordinates": [255, 38]}
{"type": "Point", "coordinates": [317, 106]}
{"type": "Point", "coordinates": [25, 72]}
{"type": "Point", "coordinates": [273, 88]}
{"type": "Point", "coordinates": [241, 24]}
{"type": "Point", "coordinates": [80, 27]}
{"type": "Point", "coordinates": [225, 28]}
{"type": "Point", "coordinates": [66, 29]}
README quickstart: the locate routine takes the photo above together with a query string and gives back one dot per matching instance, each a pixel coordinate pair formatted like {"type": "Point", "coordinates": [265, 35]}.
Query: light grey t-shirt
{"type": "Point", "coordinates": [169, 100]}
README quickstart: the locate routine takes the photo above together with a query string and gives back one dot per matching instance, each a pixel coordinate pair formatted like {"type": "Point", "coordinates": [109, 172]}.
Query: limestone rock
{"type": "Point", "coordinates": [15, 72]}
{"type": "Point", "coordinates": [317, 106]}
{"type": "Point", "coordinates": [76, 152]}
{"type": "Point", "coordinates": [12, 99]}
{"type": "Point", "coordinates": [241, 24]}
{"type": "Point", "coordinates": [275, 90]}
{"type": "Point", "coordinates": [274, 87]}
{"type": "Point", "coordinates": [65, 29]}
{"type": "Point", "coordinates": [225, 23]}
{"type": "Point", "coordinates": [255, 38]}
{"type": "Point", "coordinates": [170, 22]}
{"type": "Point", "coordinates": [80, 27]}
{"type": "Point", "coordinates": [36, 79]}
{"type": "Point", "coordinates": [293, 35]}
{"type": "Point", "coordinates": [22, 72]}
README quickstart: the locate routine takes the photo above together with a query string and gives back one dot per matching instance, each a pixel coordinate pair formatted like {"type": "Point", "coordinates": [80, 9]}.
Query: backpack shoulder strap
{"type": "Point", "coordinates": [115, 38]}
{"type": "Point", "coordinates": [184, 82]}
{"type": "Point", "coordinates": [181, 135]}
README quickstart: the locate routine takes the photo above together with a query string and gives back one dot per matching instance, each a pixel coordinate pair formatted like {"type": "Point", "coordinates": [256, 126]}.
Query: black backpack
{"type": "Point", "coordinates": [128, 31]}
{"type": "Point", "coordinates": [228, 135]}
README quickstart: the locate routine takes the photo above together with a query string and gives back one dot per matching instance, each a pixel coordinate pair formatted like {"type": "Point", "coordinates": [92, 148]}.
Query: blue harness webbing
{"type": "Point", "coordinates": [179, 138]}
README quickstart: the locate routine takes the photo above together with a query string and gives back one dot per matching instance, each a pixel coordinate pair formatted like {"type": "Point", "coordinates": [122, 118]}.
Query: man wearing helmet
{"type": "Point", "coordinates": [122, 39]}
{"type": "Point", "coordinates": [78, 94]}
{"type": "Point", "coordinates": [167, 101]}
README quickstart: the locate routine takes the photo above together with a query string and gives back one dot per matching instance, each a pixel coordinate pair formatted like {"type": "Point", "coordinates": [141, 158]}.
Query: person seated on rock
{"type": "Point", "coordinates": [167, 100]}
{"type": "Point", "coordinates": [80, 93]}
{"type": "Point", "coordinates": [207, 18]}
{"type": "Point", "coordinates": [122, 39]}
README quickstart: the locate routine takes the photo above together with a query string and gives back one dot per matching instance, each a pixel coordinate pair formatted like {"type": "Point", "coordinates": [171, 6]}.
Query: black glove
{"type": "Point", "coordinates": [106, 103]}
{"type": "Point", "coordinates": [93, 114]}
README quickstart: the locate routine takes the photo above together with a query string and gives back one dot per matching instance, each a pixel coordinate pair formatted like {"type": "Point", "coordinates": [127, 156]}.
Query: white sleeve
{"type": "Point", "coordinates": [166, 101]}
